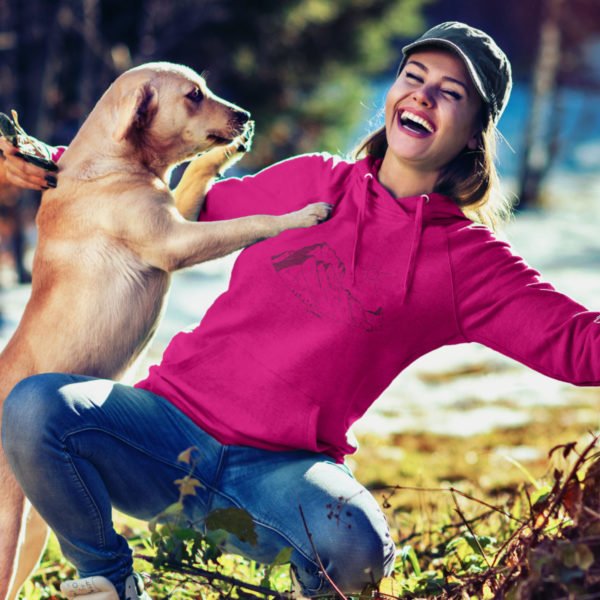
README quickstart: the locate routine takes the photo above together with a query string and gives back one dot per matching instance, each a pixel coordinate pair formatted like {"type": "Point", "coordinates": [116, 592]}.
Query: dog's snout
{"type": "Point", "coordinates": [242, 116]}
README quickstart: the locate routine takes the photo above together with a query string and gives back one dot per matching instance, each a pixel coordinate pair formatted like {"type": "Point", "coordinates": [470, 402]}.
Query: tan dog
{"type": "Point", "coordinates": [109, 235]}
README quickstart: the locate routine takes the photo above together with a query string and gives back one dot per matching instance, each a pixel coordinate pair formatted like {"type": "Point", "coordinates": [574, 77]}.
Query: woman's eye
{"type": "Point", "coordinates": [452, 94]}
{"type": "Point", "coordinates": [414, 77]}
{"type": "Point", "coordinates": [196, 95]}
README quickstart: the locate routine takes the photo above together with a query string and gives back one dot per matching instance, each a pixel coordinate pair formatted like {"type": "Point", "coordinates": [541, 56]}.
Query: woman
{"type": "Point", "coordinates": [268, 384]}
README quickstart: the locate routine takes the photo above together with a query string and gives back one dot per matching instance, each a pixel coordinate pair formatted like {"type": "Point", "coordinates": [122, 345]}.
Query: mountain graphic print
{"type": "Point", "coordinates": [315, 275]}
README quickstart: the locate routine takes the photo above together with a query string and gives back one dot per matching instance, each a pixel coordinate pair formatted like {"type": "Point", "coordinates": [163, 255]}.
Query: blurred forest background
{"type": "Point", "coordinates": [310, 71]}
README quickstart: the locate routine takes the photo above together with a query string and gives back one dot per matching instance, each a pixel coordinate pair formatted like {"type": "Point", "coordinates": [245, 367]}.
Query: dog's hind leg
{"type": "Point", "coordinates": [23, 533]}
{"type": "Point", "coordinates": [32, 542]}
{"type": "Point", "coordinates": [12, 510]}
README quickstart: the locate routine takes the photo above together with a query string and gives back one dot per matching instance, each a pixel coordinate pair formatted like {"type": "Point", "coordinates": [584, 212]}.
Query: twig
{"type": "Point", "coordinates": [588, 510]}
{"type": "Point", "coordinates": [444, 528]}
{"type": "Point", "coordinates": [559, 496]}
{"type": "Point", "coordinates": [452, 490]}
{"type": "Point", "coordinates": [515, 534]}
{"type": "Point", "coordinates": [551, 510]}
{"type": "Point", "coordinates": [211, 575]}
{"type": "Point", "coordinates": [309, 534]}
{"type": "Point", "coordinates": [460, 514]}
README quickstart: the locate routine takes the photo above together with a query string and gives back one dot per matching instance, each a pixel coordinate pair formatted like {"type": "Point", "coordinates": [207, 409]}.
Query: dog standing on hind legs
{"type": "Point", "coordinates": [108, 237]}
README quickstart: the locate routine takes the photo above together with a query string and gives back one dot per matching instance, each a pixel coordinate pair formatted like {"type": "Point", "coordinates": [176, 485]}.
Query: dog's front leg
{"type": "Point", "coordinates": [182, 244]}
{"type": "Point", "coordinates": [199, 174]}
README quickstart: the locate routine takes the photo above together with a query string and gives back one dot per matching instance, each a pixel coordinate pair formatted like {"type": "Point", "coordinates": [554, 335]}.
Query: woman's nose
{"type": "Point", "coordinates": [423, 96]}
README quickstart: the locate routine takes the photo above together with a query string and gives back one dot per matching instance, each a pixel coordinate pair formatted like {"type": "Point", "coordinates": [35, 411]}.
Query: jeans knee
{"type": "Point", "coordinates": [360, 552]}
{"type": "Point", "coordinates": [32, 404]}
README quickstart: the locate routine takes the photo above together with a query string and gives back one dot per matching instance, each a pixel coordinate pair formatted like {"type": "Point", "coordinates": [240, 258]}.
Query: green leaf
{"type": "Point", "coordinates": [579, 556]}
{"type": "Point", "coordinates": [540, 495]}
{"type": "Point", "coordinates": [173, 509]}
{"type": "Point", "coordinates": [407, 553]}
{"type": "Point", "coordinates": [584, 557]}
{"type": "Point", "coordinates": [184, 534]}
{"type": "Point", "coordinates": [234, 520]}
{"type": "Point", "coordinates": [218, 537]}
{"type": "Point", "coordinates": [484, 541]}
{"type": "Point", "coordinates": [283, 556]}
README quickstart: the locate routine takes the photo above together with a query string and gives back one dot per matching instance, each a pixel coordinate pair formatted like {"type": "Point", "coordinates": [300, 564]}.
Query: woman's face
{"type": "Point", "coordinates": [432, 111]}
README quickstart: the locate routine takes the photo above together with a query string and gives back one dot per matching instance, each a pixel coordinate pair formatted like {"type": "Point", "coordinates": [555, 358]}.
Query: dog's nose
{"type": "Point", "coordinates": [242, 116]}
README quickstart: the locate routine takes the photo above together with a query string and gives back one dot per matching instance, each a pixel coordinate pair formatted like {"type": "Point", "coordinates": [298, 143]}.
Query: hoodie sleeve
{"type": "Point", "coordinates": [281, 188]}
{"type": "Point", "coordinates": [502, 303]}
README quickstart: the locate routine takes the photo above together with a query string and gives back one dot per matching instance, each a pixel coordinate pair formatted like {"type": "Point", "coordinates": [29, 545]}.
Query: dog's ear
{"type": "Point", "coordinates": [135, 110]}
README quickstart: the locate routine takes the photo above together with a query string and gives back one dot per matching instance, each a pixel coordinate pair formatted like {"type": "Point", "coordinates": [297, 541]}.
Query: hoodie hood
{"type": "Point", "coordinates": [421, 210]}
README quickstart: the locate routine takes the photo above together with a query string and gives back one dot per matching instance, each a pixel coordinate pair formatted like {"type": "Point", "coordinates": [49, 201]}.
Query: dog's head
{"type": "Point", "coordinates": [166, 110]}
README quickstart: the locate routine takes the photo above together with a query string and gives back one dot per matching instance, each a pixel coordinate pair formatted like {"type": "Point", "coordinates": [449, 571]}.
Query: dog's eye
{"type": "Point", "coordinates": [195, 95]}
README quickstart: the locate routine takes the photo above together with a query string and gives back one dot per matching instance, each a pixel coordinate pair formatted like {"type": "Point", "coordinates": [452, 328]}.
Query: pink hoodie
{"type": "Point", "coordinates": [317, 322]}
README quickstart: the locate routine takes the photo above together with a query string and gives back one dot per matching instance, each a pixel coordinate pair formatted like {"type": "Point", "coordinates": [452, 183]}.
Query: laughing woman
{"type": "Point", "coordinates": [315, 324]}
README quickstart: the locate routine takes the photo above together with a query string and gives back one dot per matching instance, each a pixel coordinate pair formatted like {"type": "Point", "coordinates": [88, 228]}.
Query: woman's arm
{"type": "Point", "coordinates": [284, 187]}
{"type": "Point", "coordinates": [502, 303]}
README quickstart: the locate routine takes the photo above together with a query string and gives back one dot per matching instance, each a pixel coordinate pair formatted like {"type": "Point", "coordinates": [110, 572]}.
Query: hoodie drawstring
{"type": "Point", "coordinates": [416, 235]}
{"type": "Point", "coordinates": [359, 222]}
{"type": "Point", "coordinates": [414, 246]}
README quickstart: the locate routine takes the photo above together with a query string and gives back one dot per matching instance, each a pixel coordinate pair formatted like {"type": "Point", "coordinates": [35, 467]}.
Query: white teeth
{"type": "Point", "coordinates": [416, 119]}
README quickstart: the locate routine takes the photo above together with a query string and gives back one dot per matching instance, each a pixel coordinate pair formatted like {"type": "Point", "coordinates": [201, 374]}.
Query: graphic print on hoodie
{"type": "Point", "coordinates": [317, 322]}
{"type": "Point", "coordinates": [316, 276]}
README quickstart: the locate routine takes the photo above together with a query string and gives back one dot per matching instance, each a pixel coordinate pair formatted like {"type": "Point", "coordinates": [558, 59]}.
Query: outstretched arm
{"type": "Point", "coordinates": [502, 303]}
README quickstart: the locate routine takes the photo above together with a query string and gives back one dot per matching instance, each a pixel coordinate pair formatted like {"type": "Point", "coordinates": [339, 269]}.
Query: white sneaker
{"type": "Point", "coordinates": [100, 588]}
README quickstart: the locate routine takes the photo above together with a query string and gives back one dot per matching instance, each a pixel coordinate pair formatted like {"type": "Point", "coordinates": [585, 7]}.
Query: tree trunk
{"type": "Point", "coordinates": [541, 135]}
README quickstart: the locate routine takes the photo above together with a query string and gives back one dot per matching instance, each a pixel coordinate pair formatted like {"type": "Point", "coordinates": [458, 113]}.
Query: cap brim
{"type": "Point", "coordinates": [457, 50]}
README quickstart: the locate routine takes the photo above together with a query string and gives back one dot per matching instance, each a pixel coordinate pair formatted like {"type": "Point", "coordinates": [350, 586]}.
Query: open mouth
{"type": "Point", "coordinates": [415, 124]}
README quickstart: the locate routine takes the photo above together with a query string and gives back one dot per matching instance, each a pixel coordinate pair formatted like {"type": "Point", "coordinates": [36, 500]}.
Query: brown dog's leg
{"type": "Point", "coordinates": [12, 506]}
{"type": "Point", "coordinates": [191, 190]}
{"type": "Point", "coordinates": [32, 544]}
{"type": "Point", "coordinates": [23, 533]}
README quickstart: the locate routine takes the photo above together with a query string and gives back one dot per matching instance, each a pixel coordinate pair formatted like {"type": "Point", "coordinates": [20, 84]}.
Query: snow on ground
{"type": "Point", "coordinates": [459, 390]}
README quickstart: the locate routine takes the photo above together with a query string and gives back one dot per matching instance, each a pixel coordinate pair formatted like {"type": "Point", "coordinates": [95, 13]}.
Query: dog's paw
{"type": "Point", "coordinates": [228, 155]}
{"type": "Point", "coordinates": [244, 141]}
{"type": "Point", "coordinates": [312, 214]}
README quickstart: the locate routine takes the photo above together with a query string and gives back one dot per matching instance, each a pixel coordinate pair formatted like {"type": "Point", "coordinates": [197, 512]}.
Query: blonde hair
{"type": "Point", "coordinates": [470, 178]}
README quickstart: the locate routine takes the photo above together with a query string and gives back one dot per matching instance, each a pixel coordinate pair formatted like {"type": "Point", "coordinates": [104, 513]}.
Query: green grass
{"type": "Point", "coordinates": [448, 540]}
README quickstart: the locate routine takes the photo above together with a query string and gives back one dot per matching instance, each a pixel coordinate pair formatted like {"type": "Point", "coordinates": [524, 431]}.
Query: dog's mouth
{"type": "Point", "coordinates": [243, 134]}
{"type": "Point", "coordinates": [218, 140]}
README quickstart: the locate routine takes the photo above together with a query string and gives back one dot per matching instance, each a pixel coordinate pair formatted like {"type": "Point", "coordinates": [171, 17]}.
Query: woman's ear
{"type": "Point", "coordinates": [475, 141]}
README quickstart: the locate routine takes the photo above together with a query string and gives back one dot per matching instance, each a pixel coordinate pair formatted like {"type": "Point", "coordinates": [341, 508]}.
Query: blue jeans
{"type": "Point", "coordinates": [79, 446]}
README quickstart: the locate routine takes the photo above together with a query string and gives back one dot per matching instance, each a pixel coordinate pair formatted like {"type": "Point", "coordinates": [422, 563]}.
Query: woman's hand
{"type": "Point", "coordinates": [16, 171]}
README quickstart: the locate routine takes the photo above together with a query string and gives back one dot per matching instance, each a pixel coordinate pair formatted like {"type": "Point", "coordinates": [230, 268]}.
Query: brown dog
{"type": "Point", "coordinates": [109, 236]}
